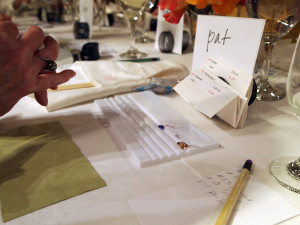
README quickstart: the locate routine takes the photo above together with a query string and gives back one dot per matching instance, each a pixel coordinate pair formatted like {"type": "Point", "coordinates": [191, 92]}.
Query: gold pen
{"type": "Point", "coordinates": [64, 87]}
{"type": "Point", "coordinates": [230, 203]}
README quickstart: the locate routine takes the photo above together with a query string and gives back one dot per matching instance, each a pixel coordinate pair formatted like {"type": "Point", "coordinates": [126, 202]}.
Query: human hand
{"type": "Point", "coordinates": [5, 17]}
{"type": "Point", "coordinates": [22, 69]}
{"type": "Point", "coordinates": [17, 3]}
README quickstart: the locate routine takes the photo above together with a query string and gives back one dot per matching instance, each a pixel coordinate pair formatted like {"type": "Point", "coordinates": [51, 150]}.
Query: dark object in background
{"type": "Point", "coordinates": [39, 13]}
{"type": "Point", "coordinates": [254, 90]}
{"type": "Point", "coordinates": [253, 94]}
{"type": "Point", "coordinates": [76, 55]}
{"type": "Point", "coordinates": [154, 6]}
{"type": "Point", "coordinates": [110, 18]}
{"type": "Point", "coordinates": [166, 41]}
{"type": "Point", "coordinates": [185, 40]}
{"type": "Point", "coordinates": [81, 30]}
{"type": "Point", "coordinates": [54, 11]}
{"type": "Point", "coordinates": [153, 24]}
{"type": "Point", "coordinates": [90, 51]}
{"type": "Point", "coordinates": [53, 17]}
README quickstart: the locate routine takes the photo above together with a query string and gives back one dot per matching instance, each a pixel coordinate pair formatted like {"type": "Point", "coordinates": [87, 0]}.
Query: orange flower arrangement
{"type": "Point", "coordinates": [177, 7]}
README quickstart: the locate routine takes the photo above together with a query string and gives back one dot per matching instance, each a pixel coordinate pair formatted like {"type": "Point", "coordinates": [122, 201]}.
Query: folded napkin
{"type": "Point", "coordinates": [39, 166]}
{"type": "Point", "coordinates": [111, 77]}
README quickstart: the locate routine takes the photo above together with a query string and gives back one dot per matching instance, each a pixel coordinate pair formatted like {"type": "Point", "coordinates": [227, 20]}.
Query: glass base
{"type": "Point", "coordinates": [133, 53]}
{"type": "Point", "coordinates": [144, 39]}
{"type": "Point", "coordinates": [266, 92]}
{"type": "Point", "coordinates": [280, 172]}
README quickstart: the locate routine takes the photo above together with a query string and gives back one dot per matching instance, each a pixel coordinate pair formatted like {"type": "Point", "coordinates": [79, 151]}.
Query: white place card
{"type": "Point", "coordinates": [236, 78]}
{"type": "Point", "coordinates": [86, 13]}
{"type": "Point", "coordinates": [175, 29]}
{"type": "Point", "coordinates": [221, 81]}
{"type": "Point", "coordinates": [209, 90]}
{"type": "Point", "coordinates": [205, 92]}
{"type": "Point", "coordinates": [234, 40]}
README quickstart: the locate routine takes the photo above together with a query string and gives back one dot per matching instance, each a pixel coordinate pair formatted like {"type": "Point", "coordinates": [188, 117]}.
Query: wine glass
{"type": "Point", "coordinates": [99, 12]}
{"type": "Point", "coordinates": [286, 170]}
{"type": "Point", "coordinates": [132, 10]}
{"type": "Point", "coordinates": [71, 10]}
{"type": "Point", "coordinates": [144, 38]}
{"type": "Point", "coordinates": [281, 16]}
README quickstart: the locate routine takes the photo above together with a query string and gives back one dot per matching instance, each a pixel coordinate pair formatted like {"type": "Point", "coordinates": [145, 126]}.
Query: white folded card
{"type": "Point", "coordinates": [218, 90]}
{"type": "Point", "coordinates": [221, 81]}
{"type": "Point", "coordinates": [175, 29]}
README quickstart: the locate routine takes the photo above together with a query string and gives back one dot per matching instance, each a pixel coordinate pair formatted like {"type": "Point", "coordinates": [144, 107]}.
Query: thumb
{"type": "Point", "coordinates": [41, 97]}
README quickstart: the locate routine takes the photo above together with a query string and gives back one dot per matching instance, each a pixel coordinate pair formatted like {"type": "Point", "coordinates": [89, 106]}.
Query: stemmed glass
{"type": "Point", "coordinates": [144, 38]}
{"type": "Point", "coordinates": [132, 10]}
{"type": "Point", "coordinates": [71, 9]}
{"type": "Point", "coordinates": [281, 16]}
{"type": "Point", "coordinates": [99, 12]}
{"type": "Point", "coordinates": [286, 170]}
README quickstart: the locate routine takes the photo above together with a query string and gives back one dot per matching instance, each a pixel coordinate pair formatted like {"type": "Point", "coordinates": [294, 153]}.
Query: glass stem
{"type": "Point", "coordinates": [294, 168]}
{"type": "Point", "coordinates": [132, 32]}
{"type": "Point", "coordinates": [267, 59]}
{"type": "Point", "coordinates": [143, 24]}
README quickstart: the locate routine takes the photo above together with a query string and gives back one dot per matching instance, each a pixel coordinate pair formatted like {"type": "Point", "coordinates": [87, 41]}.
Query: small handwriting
{"type": "Point", "coordinates": [219, 187]}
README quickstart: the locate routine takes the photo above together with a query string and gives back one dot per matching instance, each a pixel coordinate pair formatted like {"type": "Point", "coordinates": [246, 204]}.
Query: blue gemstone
{"type": "Point", "coordinates": [162, 127]}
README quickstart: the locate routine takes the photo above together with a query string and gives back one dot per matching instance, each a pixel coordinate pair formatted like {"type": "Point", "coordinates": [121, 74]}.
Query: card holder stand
{"type": "Point", "coordinates": [133, 129]}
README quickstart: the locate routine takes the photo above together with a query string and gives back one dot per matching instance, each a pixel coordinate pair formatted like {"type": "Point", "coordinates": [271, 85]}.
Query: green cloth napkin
{"type": "Point", "coordinates": [39, 166]}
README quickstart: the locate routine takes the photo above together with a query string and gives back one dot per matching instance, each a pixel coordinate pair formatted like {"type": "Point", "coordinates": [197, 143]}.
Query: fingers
{"type": "Point", "coordinates": [33, 38]}
{"type": "Point", "coordinates": [47, 64]}
{"type": "Point", "coordinates": [51, 49]}
{"type": "Point", "coordinates": [8, 30]}
{"type": "Point", "coordinates": [5, 17]}
{"type": "Point", "coordinates": [41, 97]}
{"type": "Point", "coordinates": [31, 41]}
{"type": "Point", "coordinates": [51, 80]}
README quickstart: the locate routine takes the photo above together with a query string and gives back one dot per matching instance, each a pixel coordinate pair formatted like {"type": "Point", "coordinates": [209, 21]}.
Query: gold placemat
{"type": "Point", "coordinates": [40, 165]}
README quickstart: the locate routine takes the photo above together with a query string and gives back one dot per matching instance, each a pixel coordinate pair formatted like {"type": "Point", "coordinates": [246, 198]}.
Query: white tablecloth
{"type": "Point", "coordinates": [271, 130]}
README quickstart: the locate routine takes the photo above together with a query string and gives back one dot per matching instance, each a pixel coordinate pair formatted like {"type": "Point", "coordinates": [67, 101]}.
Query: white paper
{"type": "Point", "coordinates": [200, 202]}
{"type": "Point", "coordinates": [205, 93]}
{"type": "Point", "coordinates": [223, 63]}
{"type": "Point", "coordinates": [234, 40]}
{"type": "Point", "coordinates": [86, 13]}
{"type": "Point", "coordinates": [80, 77]}
{"type": "Point", "coordinates": [237, 79]}
{"type": "Point", "coordinates": [175, 29]}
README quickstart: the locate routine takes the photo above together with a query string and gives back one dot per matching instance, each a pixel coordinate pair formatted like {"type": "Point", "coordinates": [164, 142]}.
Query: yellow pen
{"type": "Point", "coordinates": [230, 202]}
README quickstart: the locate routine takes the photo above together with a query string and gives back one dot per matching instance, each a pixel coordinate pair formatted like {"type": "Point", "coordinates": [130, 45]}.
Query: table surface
{"type": "Point", "coordinates": [271, 131]}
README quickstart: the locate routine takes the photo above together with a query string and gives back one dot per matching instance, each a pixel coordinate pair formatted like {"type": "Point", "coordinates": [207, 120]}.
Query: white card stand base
{"type": "Point", "coordinates": [150, 129]}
